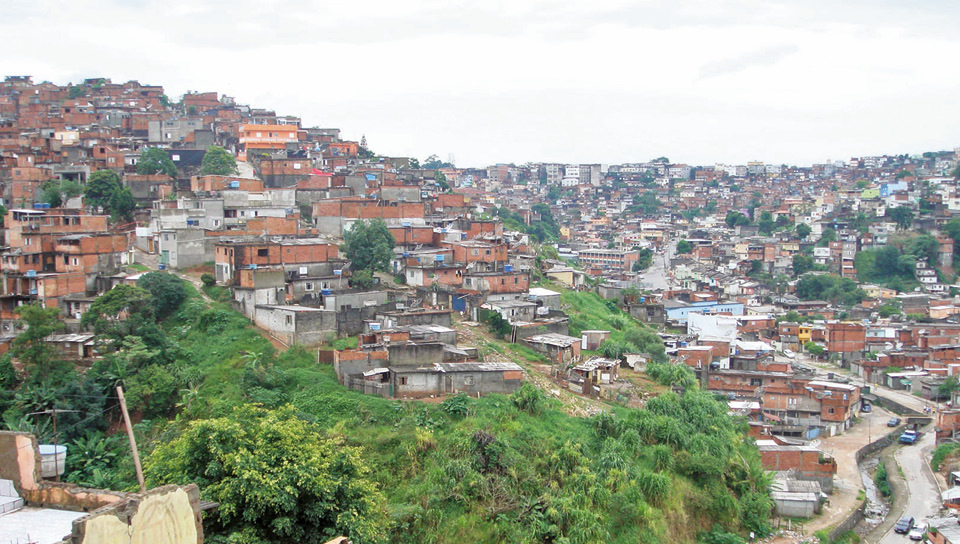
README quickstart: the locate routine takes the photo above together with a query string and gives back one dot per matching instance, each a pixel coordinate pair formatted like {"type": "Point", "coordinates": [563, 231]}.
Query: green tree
{"type": "Point", "coordinates": [121, 205]}
{"type": "Point", "coordinates": [828, 235]}
{"type": "Point", "coordinates": [803, 230]}
{"type": "Point", "coordinates": [101, 187]}
{"type": "Point", "coordinates": [30, 346]}
{"type": "Point", "coordinates": [684, 247]}
{"type": "Point", "coordinates": [902, 216]}
{"type": "Point", "coordinates": [57, 192]}
{"type": "Point", "coordinates": [441, 181]}
{"type": "Point", "coordinates": [76, 91]}
{"type": "Point", "coordinates": [3, 214]}
{"type": "Point", "coordinates": [814, 349]}
{"type": "Point", "coordinates": [120, 311]}
{"type": "Point", "coordinates": [802, 264]}
{"type": "Point", "coordinates": [644, 260]}
{"type": "Point", "coordinates": [765, 223]}
{"type": "Point", "coordinates": [218, 161]}
{"type": "Point", "coordinates": [736, 219]}
{"type": "Point", "coordinates": [925, 247]}
{"type": "Point", "coordinates": [278, 478]}
{"type": "Point", "coordinates": [166, 290]}
{"type": "Point", "coordinates": [369, 245]}
{"type": "Point", "coordinates": [361, 279]}
{"type": "Point", "coordinates": [156, 161]}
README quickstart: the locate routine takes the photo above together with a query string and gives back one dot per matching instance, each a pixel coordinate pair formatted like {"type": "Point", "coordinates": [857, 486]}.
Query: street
{"type": "Point", "coordinates": [658, 276]}
{"type": "Point", "coordinates": [923, 498]}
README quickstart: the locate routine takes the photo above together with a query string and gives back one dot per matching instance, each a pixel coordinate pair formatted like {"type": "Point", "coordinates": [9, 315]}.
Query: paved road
{"type": "Point", "coordinates": [658, 276]}
{"type": "Point", "coordinates": [923, 500]}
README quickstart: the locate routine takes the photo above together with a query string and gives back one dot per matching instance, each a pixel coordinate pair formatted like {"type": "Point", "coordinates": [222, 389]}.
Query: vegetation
{"type": "Point", "coordinates": [684, 247]}
{"type": "Point", "coordinates": [369, 245]}
{"type": "Point", "coordinates": [547, 228]}
{"type": "Point", "coordinates": [57, 192]}
{"type": "Point", "coordinates": [292, 456]}
{"type": "Point", "coordinates": [880, 478]}
{"type": "Point", "coordinates": [644, 260]}
{"type": "Point", "coordinates": [736, 219]}
{"type": "Point", "coordinates": [831, 288]}
{"type": "Point", "coordinates": [814, 349]}
{"type": "Point", "coordinates": [156, 161]}
{"type": "Point", "coordinates": [941, 452]}
{"type": "Point", "coordinates": [219, 162]}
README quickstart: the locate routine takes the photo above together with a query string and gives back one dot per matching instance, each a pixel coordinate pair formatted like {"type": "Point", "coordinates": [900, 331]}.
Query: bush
{"type": "Point", "coordinates": [883, 485]}
{"type": "Point", "coordinates": [209, 280]}
{"type": "Point", "coordinates": [530, 399]}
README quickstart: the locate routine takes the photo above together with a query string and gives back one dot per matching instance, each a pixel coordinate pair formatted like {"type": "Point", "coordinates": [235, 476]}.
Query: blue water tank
{"type": "Point", "coordinates": [326, 292]}
{"type": "Point", "coordinates": [31, 273]}
{"type": "Point", "coordinates": [643, 299]}
{"type": "Point", "coordinates": [683, 344]}
{"type": "Point", "coordinates": [508, 268]}
{"type": "Point", "coordinates": [438, 258]}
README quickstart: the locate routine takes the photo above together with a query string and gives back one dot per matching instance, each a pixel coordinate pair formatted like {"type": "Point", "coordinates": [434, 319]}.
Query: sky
{"type": "Point", "coordinates": [572, 81]}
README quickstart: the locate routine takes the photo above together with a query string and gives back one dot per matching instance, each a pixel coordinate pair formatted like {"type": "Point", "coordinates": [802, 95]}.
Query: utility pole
{"type": "Point", "coordinates": [133, 441]}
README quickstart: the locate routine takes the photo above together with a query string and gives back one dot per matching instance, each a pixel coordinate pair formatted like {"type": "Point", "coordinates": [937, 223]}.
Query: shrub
{"type": "Point", "coordinates": [208, 280]}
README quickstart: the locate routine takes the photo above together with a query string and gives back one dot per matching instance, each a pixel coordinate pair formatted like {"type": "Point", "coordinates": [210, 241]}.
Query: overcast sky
{"type": "Point", "coordinates": [586, 81]}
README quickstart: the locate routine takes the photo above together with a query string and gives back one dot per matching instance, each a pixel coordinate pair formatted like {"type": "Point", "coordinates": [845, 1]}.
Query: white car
{"type": "Point", "coordinates": [918, 532]}
{"type": "Point", "coordinates": [789, 353]}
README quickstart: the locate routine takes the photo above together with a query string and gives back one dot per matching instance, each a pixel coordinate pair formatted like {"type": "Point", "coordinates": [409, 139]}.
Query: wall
{"type": "Point", "coordinates": [169, 514]}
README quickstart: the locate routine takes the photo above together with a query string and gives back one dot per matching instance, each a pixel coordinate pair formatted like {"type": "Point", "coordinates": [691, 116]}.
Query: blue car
{"type": "Point", "coordinates": [866, 408]}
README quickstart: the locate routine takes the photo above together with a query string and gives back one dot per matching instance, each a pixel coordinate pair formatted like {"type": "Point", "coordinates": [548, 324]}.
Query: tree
{"type": "Point", "coordinates": [30, 346]}
{"type": "Point", "coordinates": [277, 478]}
{"type": "Point", "coordinates": [902, 216]}
{"type": "Point", "coordinates": [218, 161]}
{"type": "Point", "coordinates": [644, 260]}
{"type": "Point", "coordinates": [121, 205]}
{"type": "Point", "coordinates": [101, 186]}
{"type": "Point", "coordinates": [736, 219]}
{"type": "Point", "coordinates": [441, 180]}
{"type": "Point", "coordinates": [362, 279]}
{"type": "Point", "coordinates": [684, 247]}
{"type": "Point", "coordinates": [803, 230]}
{"type": "Point", "coordinates": [156, 161]}
{"type": "Point", "coordinates": [925, 247]}
{"type": "Point", "coordinates": [166, 290]}
{"type": "Point", "coordinates": [369, 245]}
{"type": "Point", "coordinates": [76, 91]}
{"type": "Point", "coordinates": [57, 192]}
{"type": "Point", "coordinates": [828, 235]}
{"type": "Point", "coordinates": [802, 264]}
{"type": "Point", "coordinates": [120, 311]}
{"type": "Point", "coordinates": [765, 222]}
{"type": "Point", "coordinates": [814, 349]}
{"type": "Point", "coordinates": [414, 163]}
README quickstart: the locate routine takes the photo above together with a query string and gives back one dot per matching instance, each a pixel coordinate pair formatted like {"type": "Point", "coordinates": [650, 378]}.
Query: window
{"type": "Point", "coordinates": [829, 410]}
{"type": "Point", "coordinates": [792, 401]}
{"type": "Point", "coordinates": [474, 251]}
{"type": "Point", "coordinates": [516, 280]}
{"type": "Point", "coordinates": [468, 380]}
{"type": "Point", "coordinates": [289, 319]}
{"type": "Point", "coordinates": [308, 286]}
{"type": "Point", "coordinates": [403, 380]}
{"type": "Point", "coordinates": [262, 252]}
{"type": "Point", "coordinates": [74, 261]}
{"type": "Point", "coordinates": [756, 382]}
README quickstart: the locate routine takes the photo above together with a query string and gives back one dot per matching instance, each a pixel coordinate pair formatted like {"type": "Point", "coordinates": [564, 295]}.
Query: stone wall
{"type": "Point", "coordinates": [169, 514]}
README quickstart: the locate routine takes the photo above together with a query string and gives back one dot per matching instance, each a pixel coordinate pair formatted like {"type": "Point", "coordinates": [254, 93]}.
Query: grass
{"type": "Point", "coordinates": [138, 267]}
{"type": "Point", "coordinates": [217, 293]}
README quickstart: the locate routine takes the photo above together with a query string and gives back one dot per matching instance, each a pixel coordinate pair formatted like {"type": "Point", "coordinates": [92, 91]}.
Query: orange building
{"type": "Point", "coordinates": [266, 137]}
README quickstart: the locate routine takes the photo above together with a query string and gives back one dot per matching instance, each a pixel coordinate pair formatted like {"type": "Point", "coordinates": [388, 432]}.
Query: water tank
{"type": "Point", "coordinates": [508, 268]}
{"type": "Point", "coordinates": [31, 273]}
{"type": "Point", "coordinates": [374, 326]}
{"type": "Point", "coordinates": [438, 258]}
{"type": "Point", "coordinates": [683, 344]}
{"type": "Point", "coordinates": [326, 292]}
{"type": "Point", "coordinates": [53, 459]}
{"type": "Point", "coordinates": [234, 184]}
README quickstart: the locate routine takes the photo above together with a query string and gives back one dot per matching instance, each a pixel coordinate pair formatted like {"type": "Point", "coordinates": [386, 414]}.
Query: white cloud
{"type": "Point", "coordinates": [517, 80]}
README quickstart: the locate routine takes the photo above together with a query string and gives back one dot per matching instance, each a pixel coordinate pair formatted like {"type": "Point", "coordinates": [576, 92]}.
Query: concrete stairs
{"type": "Point", "coordinates": [9, 498]}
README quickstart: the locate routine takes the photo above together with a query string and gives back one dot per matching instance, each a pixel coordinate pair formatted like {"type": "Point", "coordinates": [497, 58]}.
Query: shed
{"type": "Point", "coordinates": [794, 504]}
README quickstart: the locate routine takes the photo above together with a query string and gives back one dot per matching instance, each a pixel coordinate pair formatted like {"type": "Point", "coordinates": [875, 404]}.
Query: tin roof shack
{"type": "Point", "coordinates": [944, 531]}
{"type": "Point", "coordinates": [76, 348]}
{"type": "Point", "coordinates": [430, 333]}
{"type": "Point", "coordinates": [558, 347]}
{"type": "Point", "coordinates": [807, 462]}
{"type": "Point", "coordinates": [297, 324]}
{"type": "Point", "coordinates": [479, 378]}
{"type": "Point", "coordinates": [61, 512]}
{"type": "Point", "coordinates": [597, 370]}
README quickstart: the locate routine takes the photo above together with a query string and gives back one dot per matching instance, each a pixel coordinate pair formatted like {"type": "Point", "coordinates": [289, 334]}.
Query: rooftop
{"type": "Point", "coordinates": [40, 525]}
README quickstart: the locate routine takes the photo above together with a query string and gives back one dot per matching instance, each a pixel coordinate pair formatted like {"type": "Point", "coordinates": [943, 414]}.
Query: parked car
{"type": "Point", "coordinates": [904, 525]}
{"type": "Point", "coordinates": [789, 353]}
{"type": "Point", "coordinates": [866, 408]}
{"type": "Point", "coordinates": [910, 437]}
{"type": "Point", "coordinates": [894, 421]}
{"type": "Point", "coordinates": [918, 532]}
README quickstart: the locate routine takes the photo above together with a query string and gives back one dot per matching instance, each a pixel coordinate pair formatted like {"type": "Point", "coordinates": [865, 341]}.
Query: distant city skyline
{"type": "Point", "coordinates": [609, 82]}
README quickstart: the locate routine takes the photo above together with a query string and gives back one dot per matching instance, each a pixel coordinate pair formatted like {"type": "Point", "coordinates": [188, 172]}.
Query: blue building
{"type": "Point", "coordinates": [677, 311]}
